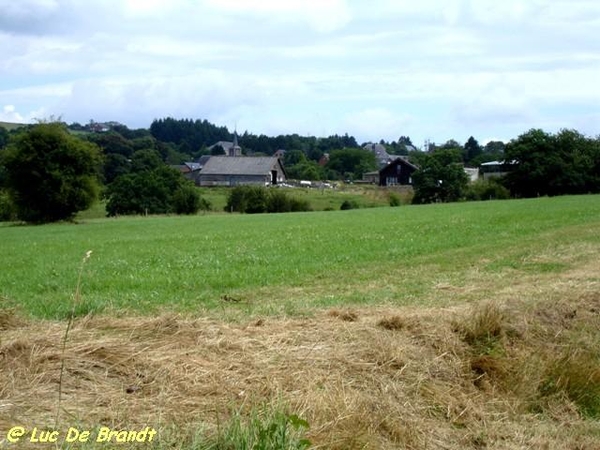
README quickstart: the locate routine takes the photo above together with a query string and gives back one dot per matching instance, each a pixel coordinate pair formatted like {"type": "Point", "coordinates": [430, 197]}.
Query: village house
{"type": "Point", "coordinates": [398, 172]}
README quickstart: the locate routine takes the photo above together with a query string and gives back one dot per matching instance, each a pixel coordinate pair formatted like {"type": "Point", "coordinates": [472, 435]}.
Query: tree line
{"type": "Point", "coordinates": [538, 163]}
{"type": "Point", "coordinates": [49, 171]}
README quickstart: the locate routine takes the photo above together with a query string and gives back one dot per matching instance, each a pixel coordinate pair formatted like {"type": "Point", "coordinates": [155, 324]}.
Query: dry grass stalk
{"type": "Point", "coordinates": [75, 303]}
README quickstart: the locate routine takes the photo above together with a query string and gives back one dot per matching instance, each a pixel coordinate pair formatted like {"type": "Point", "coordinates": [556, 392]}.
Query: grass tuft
{"type": "Point", "coordinates": [392, 323]}
{"type": "Point", "coordinates": [262, 429]}
{"type": "Point", "coordinates": [346, 315]}
{"type": "Point", "coordinates": [484, 328]}
{"type": "Point", "coordinates": [575, 374]}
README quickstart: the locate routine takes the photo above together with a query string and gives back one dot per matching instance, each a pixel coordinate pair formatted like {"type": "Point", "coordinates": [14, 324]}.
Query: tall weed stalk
{"type": "Point", "coordinates": [75, 303]}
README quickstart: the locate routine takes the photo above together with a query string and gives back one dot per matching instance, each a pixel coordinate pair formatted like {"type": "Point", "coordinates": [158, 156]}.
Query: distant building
{"type": "Point", "coordinates": [472, 173]}
{"type": "Point", "coordinates": [381, 154]}
{"type": "Point", "coordinates": [371, 177]}
{"type": "Point", "coordinates": [230, 148]}
{"type": "Point", "coordinates": [495, 169]}
{"type": "Point", "coordinates": [324, 160]}
{"type": "Point", "coordinates": [189, 170]}
{"type": "Point", "coordinates": [397, 173]}
{"type": "Point", "coordinates": [242, 170]}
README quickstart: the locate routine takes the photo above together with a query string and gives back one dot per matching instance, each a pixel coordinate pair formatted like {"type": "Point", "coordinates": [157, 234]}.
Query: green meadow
{"type": "Point", "coordinates": [286, 264]}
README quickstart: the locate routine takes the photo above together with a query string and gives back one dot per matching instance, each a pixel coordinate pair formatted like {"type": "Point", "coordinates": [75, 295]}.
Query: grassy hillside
{"type": "Point", "coordinates": [11, 126]}
{"type": "Point", "coordinates": [459, 326]}
{"type": "Point", "coordinates": [288, 263]}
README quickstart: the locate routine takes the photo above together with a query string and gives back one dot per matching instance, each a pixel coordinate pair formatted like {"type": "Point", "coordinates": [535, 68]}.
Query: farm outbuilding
{"type": "Point", "coordinates": [398, 172]}
{"type": "Point", "coordinates": [371, 177]}
{"type": "Point", "coordinates": [496, 169]}
{"type": "Point", "coordinates": [242, 170]}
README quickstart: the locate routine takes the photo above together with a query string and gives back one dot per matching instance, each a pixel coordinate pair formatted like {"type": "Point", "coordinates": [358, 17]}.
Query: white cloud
{"type": "Point", "coordinates": [374, 69]}
{"type": "Point", "coordinates": [10, 114]}
{"type": "Point", "coordinates": [27, 8]}
{"type": "Point", "coordinates": [374, 123]}
{"type": "Point", "coordinates": [323, 15]}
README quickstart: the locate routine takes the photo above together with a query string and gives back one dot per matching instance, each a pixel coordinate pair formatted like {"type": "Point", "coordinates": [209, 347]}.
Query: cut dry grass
{"type": "Point", "coordinates": [346, 315]}
{"type": "Point", "coordinates": [392, 323]}
{"type": "Point", "coordinates": [9, 319]}
{"type": "Point", "coordinates": [424, 386]}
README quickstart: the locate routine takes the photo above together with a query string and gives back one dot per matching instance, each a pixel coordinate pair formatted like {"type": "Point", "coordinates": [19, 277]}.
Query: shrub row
{"type": "Point", "coordinates": [258, 199]}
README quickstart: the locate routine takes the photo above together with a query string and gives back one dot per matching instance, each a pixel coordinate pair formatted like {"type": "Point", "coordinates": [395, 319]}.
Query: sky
{"type": "Point", "coordinates": [376, 69]}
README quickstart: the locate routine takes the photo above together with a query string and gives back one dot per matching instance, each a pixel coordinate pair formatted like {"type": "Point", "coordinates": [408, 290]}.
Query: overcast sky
{"type": "Point", "coordinates": [375, 69]}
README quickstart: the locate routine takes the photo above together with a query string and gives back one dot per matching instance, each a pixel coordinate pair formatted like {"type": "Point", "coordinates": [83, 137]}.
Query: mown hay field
{"type": "Point", "coordinates": [452, 326]}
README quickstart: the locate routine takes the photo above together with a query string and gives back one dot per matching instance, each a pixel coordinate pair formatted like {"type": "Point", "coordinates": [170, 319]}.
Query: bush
{"type": "Point", "coordinates": [278, 202]}
{"type": "Point", "coordinates": [247, 199]}
{"type": "Point", "coordinates": [394, 199]}
{"type": "Point", "coordinates": [258, 199]}
{"type": "Point", "coordinates": [490, 189]}
{"type": "Point", "coordinates": [236, 200]}
{"type": "Point", "coordinates": [161, 190]}
{"type": "Point", "coordinates": [7, 210]}
{"type": "Point", "coordinates": [349, 204]}
{"type": "Point", "coordinates": [187, 200]}
{"type": "Point", "coordinates": [298, 205]}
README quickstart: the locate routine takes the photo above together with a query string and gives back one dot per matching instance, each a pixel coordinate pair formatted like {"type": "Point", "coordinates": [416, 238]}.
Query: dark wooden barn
{"type": "Point", "coordinates": [397, 173]}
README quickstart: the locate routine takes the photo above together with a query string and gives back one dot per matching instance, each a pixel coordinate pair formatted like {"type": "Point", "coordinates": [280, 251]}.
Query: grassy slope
{"type": "Point", "coordinates": [462, 326]}
{"type": "Point", "coordinates": [287, 263]}
{"type": "Point", "coordinates": [11, 126]}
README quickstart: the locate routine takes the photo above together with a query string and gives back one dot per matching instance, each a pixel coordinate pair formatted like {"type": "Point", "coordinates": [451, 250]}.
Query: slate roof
{"type": "Point", "coordinates": [240, 165]}
{"type": "Point", "coordinates": [225, 145]}
{"type": "Point", "coordinates": [203, 160]}
{"type": "Point", "coordinates": [380, 152]}
{"type": "Point", "coordinates": [193, 166]}
{"type": "Point", "coordinates": [403, 161]}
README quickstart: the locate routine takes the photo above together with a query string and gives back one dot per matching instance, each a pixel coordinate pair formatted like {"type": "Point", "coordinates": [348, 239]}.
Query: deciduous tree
{"type": "Point", "coordinates": [547, 164]}
{"type": "Point", "coordinates": [440, 177]}
{"type": "Point", "coordinates": [50, 174]}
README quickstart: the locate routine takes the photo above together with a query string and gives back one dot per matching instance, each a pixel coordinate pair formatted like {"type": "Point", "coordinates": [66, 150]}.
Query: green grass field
{"type": "Point", "coordinates": [286, 263]}
{"type": "Point", "coordinates": [455, 326]}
